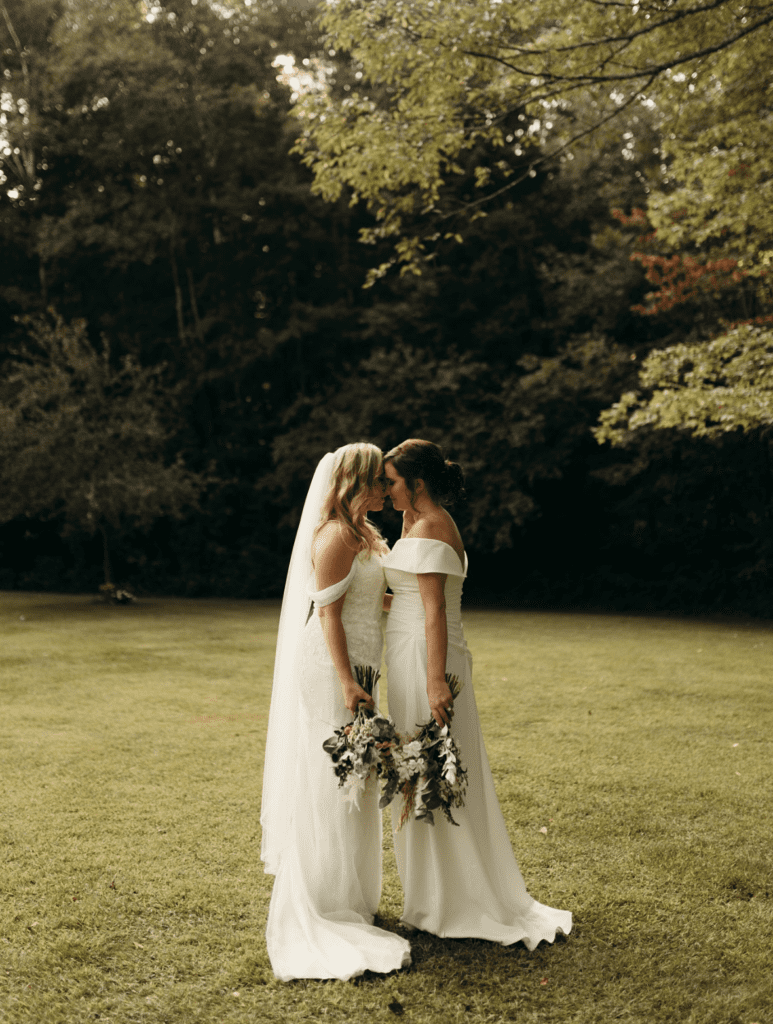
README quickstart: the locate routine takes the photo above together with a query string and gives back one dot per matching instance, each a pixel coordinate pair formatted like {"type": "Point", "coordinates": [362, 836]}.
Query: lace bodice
{"type": "Point", "coordinates": [361, 616]}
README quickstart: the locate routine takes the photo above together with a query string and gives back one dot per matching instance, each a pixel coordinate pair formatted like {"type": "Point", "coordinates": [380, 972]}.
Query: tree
{"type": "Point", "coordinates": [707, 389]}
{"type": "Point", "coordinates": [707, 247]}
{"type": "Point", "coordinates": [167, 212]}
{"type": "Point", "coordinates": [509, 432]}
{"type": "Point", "coordinates": [131, 163]}
{"type": "Point", "coordinates": [86, 442]}
{"type": "Point", "coordinates": [437, 78]}
{"type": "Point", "coordinates": [505, 348]}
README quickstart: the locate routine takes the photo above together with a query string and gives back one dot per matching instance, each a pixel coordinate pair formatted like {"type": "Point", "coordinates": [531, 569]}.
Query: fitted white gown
{"type": "Point", "coordinates": [458, 882]}
{"type": "Point", "coordinates": [328, 883]}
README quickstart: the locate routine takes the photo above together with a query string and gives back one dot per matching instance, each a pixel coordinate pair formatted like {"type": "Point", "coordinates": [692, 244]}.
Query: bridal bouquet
{"type": "Point", "coordinates": [426, 768]}
{"type": "Point", "coordinates": [429, 769]}
{"type": "Point", "coordinates": [364, 747]}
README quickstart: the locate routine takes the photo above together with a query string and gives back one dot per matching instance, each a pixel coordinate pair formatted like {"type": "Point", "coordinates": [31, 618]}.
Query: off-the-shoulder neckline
{"type": "Point", "coordinates": [432, 540]}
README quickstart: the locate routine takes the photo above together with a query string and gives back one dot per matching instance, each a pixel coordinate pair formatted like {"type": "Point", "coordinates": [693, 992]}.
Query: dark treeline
{"type": "Point", "coordinates": [150, 190]}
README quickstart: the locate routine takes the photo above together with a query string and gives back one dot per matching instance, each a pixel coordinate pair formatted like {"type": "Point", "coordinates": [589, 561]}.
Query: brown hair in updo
{"type": "Point", "coordinates": [422, 460]}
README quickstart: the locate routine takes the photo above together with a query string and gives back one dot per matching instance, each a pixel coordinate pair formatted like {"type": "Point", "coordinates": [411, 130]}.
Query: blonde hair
{"type": "Point", "coordinates": [356, 470]}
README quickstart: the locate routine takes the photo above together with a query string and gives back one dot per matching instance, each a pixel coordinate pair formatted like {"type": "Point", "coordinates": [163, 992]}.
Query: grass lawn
{"type": "Point", "coordinates": [632, 757]}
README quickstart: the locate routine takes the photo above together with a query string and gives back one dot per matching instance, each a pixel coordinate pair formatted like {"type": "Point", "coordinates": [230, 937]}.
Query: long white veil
{"type": "Point", "coordinates": [283, 739]}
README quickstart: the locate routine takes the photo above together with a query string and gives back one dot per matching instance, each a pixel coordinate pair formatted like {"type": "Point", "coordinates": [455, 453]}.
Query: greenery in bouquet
{"type": "Point", "coordinates": [430, 772]}
{"type": "Point", "coordinates": [363, 749]}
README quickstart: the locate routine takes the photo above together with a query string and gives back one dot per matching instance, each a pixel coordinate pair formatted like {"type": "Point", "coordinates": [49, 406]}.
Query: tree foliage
{"type": "Point", "coordinates": [509, 432]}
{"type": "Point", "coordinates": [715, 198]}
{"type": "Point", "coordinates": [162, 205]}
{"type": "Point", "coordinates": [706, 243]}
{"type": "Point", "coordinates": [85, 441]}
{"type": "Point", "coordinates": [437, 78]}
{"type": "Point", "coordinates": [709, 389]}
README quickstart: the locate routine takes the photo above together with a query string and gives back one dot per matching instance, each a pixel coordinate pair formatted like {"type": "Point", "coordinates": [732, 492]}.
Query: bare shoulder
{"type": "Point", "coordinates": [331, 556]}
{"type": "Point", "coordinates": [439, 526]}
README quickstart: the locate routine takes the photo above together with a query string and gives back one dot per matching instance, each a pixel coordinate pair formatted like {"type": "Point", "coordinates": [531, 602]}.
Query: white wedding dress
{"type": "Point", "coordinates": [328, 877]}
{"type": "Point", "coordinates": [458, 882]}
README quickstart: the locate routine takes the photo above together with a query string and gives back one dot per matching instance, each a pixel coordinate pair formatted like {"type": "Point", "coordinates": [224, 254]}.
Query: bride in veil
{"type": "Point", "coordinates": [326, 854]}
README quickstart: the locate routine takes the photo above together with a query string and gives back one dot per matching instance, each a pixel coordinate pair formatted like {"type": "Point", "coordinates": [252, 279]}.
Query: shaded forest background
{"type": "Point", "coordinates": [153, 216]}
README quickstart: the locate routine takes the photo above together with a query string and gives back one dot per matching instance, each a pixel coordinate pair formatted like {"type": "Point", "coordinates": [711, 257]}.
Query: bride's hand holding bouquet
{"type": "Point", "coordinates": [429, 765]}
{"type": "Point", "coordinates": [363, 749]}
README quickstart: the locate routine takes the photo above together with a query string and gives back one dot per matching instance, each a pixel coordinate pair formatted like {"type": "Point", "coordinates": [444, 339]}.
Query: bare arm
{"type": "Point", "coordinates": [432, 590]}
{"type": "Point", "coordinates": [332, 561]}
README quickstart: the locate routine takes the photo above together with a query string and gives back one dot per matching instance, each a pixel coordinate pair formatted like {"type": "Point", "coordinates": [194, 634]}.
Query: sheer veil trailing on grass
{"type": "Point", "coordinates": [325, 856]}
{"type": "Point", "coordinates": [283, 740]}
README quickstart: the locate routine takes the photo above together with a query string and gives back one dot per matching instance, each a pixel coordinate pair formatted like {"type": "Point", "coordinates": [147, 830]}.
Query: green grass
{"type": "Point", "coordinates": [131, 744]}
